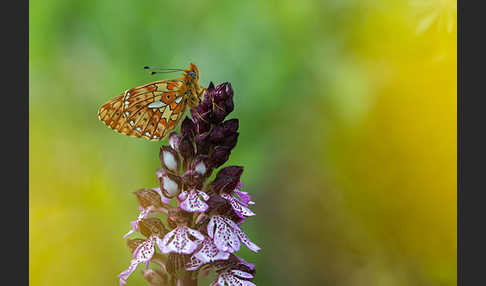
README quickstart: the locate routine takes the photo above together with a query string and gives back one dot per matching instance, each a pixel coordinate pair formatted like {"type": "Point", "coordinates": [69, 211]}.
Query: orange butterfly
{"type": "Point", "coordinates": [153, 109]}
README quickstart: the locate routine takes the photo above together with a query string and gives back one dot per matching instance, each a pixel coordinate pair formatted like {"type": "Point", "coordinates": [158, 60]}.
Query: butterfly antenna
{"type": "Point", "coordinates": [157, 72]}
{"type": "Point", "coordinates": [160, 69]}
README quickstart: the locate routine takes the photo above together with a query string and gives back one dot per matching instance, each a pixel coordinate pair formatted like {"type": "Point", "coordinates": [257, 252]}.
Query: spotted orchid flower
{"type": "Point", "coordinates": [193, 201]}
{"type": "Point", "coordinates": [143, 214]}
{"type": "Point", "coordinates": [178, 240]}
{"type": "Point", "coordinates": [227, 184]}
{"type": "Point", "coordinates": [234, 271]}
{"type": "Point", "coordinates": [227, 235]}
{"type": "Point", "coordinates": [234, 277]}
{"type": "Point", "coordinates": [244, 196]}
{"type": "Point", "coordinates": [142, 254]}
{"type": "Point", "coordinates": [207, 253]}
{"type": "Point", "coordinates": [239, 206]}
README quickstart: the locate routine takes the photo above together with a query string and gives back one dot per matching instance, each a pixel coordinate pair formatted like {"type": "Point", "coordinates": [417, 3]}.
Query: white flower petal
{"type": "Point", "coordinates": [211, 227]}
{"type": "Point", "coordinates": [201, 168]}
{"type": "Point", "coordinates": [225, 238]}
{"type": "Point", "coordinates": [241, 274]}
{"type": "Point", "coordinates": [179, 241]}
{"type": "Point", "coordinates": [191, 202]}
{"type": "Point", "coordinates": [169, 160]}
{"type": "Point", "coordinates": [195, 233]}
{"type": "Point", "coordinates": [163, 199]}
{"type": "Point", "coordinates": [209, 252]}
{"type": "Point", "coordinates": [142, 254]}
{"type": "Point", "coordinates": [242, 236]}
{"type": "Point", "coordinates": [170, 186]}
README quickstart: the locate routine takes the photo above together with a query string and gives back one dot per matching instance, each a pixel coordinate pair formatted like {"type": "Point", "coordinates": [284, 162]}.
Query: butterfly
{"type": "Point", "coordinates": [152, 110]}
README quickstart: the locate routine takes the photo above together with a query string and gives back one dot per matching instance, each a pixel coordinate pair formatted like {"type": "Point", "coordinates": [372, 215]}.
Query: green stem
{"type": "Point", "coordinates": [188, 279]}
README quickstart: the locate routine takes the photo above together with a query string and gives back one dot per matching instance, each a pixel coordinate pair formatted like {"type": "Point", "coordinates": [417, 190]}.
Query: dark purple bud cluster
{"type": "Point", "coordinates": [215, 137]}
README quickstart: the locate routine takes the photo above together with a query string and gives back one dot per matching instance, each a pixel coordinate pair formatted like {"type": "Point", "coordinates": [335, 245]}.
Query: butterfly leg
{"type": "Point", "coordinates": [217, 106]}
{"type": "Point", "coordinates": [203, 90]}
{"type": "Point", "coordinates": [198, 115]}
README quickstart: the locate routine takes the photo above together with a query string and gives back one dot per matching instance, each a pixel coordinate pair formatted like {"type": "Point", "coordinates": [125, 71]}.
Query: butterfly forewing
{"type": "Point", "coordinates": [144, 94]}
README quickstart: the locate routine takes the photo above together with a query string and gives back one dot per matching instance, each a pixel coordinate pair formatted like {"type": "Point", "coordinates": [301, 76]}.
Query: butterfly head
{"type": "Point", "coordinates": [192, 72]}
{"type": "Point", "coordinates": [191, 77]}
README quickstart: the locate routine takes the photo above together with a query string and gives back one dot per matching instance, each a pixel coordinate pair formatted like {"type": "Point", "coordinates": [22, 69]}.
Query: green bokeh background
{"type": "Point", "coordinates": [347, 114]}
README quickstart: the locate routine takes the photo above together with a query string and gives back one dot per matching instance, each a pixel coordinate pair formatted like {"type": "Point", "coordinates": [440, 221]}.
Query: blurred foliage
{"type": "Point", "coordinates": [347, 133]}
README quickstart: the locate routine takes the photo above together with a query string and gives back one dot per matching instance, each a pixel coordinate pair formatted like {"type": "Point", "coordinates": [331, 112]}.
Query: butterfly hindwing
{"type": "Point", "coordinates": [150, 111]}
{"type": "Point", "coordinates": [110, 112]}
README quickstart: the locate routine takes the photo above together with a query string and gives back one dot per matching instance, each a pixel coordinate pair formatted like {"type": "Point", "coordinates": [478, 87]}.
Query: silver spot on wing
{"type": "Point", "coordinates": [156, 104]}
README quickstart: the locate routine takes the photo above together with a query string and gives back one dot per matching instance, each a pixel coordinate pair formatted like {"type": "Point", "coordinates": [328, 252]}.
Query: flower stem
{"type": "Point", "coordinates": [188, 279]}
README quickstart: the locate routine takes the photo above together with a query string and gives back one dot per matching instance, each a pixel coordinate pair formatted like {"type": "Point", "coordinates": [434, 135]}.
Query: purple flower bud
{"type": "Point", "coordinates": [169, 183]}
{"type": "Point", "coordinates": [221, 101]}
{"type": "Point", "coordinates": [227, 179]}
{"type": "Point", "coordinates": [192, 179]}
{"type": "Point", "coordinates": [230, 126]}
{"type": "Point", "coordinates": [218, 205]}
{"type": "Point", "coordinates": [210, 91]}
{"type": "Point", "coordinates": [220, 92]}
{"type": "Point", "coordinates": [204, 106]}
{"type": "Point", "coordinates": [230, 141]}
{"type": "Point", "coordinates": [188, 129]}
{"type": "Point", "coordinates": [177, 216]}
{"type": "Point", "coordinates": [229, 105]}
{"type": "Point", "coordinates": [148, 197]}
{"type": "Point", "coordinates": [186, 148]}
{"type": "Point", "coordinates": [219, 114]}
{"type": "Point", "coordinates": [203, 144]}
{"type": "Point", "coordinates": [169, 159]}
{"type": "Point", "coordinates": [200, 165]}
{"type": "Point", "coordinates": [155, 277]}
{"type": "Point", "coordinates": [201, 119]}
{"type": "Point", "coordinates": [216, 134]}
{"type": "Point", "coordinates": [174, 140]}
{"type": "Point", "coordinates": [201, 114]}
{"type": "Point", "coordinates": [219, 156]}
{"type": "Point", "coordinates": [152, 226]}
{"type": "Point", "coordinates": [229, 89]}
{"type": "Point", "coordinates": [134, 243]}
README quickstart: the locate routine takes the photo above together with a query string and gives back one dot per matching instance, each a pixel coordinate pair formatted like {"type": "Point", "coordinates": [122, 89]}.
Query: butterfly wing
{"type": "Point", "coordinates": [149, 111]}
{"type": "Point", "coordinates": [110, 112]}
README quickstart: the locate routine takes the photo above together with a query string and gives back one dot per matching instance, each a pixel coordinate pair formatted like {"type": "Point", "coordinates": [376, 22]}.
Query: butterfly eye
{"type": "Point", "coordinates": [192, 74]}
